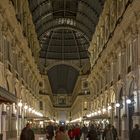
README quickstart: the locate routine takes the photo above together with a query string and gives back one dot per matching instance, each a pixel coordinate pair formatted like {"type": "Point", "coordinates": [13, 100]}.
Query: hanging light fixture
{"type": "Point", "coordinates": [117, 105]}
{"type": "Point", "coordinates": [95, 113]}
{"type": "Point", "coordinates": [20, 104]}
{"type": "Point", "coordinates": [104, 110]}
{"type": "Point", "coordinates": [109, 107]}
{"type": "Point", "coordinates": [30, 109]}
{"type": "Point", "coordinates": [99, 112]}
{"type": "Point", "coordinates": [25, 107]}
{"type": "Point", "coordinates": [128, 101]}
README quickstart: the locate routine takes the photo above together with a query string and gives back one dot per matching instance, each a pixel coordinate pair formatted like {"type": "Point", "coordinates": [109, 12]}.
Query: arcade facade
{"type": "Point", "coordinates": [109, 93]}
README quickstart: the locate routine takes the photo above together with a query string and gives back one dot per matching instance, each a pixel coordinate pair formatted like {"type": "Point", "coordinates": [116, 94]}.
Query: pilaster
{"type": "Point", "coordinates": [125, 128]}
{"type": "Point", "coordinates": [136, 115]}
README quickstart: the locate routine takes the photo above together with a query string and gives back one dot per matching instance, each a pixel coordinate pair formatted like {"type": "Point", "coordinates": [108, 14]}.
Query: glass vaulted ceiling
{"type": "Point", "coordinates": [65, 28]}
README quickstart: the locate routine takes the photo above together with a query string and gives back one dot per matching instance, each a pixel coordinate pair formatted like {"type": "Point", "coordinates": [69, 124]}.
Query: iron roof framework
{"type": "Point", "coordinates": [75, 16]}
{"type": "Point", "coordinates": [64, 29]}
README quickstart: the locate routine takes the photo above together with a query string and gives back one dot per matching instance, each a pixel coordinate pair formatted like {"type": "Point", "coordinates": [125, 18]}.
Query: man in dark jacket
{"type": "Point", "coordinates": [50, 131]}
{"type": "Point", "coordinates": [92, 134]}
{"type": "Point", "coordinates": [27, 133]}
{"type": "Point", "coordinates": [84, 131]}
{"type": "Point", "coordinates": [135, 133]}
{"type": "Point", "coordinates": [114, 131]}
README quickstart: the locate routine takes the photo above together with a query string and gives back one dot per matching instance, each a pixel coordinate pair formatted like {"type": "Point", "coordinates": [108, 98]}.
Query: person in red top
{"type": "Point", "coordinates": [71, 133]}
{"type": "Point", "coordinates": [77, 132]}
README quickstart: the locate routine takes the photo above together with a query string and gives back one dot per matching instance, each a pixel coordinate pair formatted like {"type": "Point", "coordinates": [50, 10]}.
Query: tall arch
{"type": "Point", "coordinates": [64, 63]}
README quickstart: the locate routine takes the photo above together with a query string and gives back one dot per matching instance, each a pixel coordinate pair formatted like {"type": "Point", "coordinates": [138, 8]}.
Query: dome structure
{"type": "Point", "coordinates": [64, 44]}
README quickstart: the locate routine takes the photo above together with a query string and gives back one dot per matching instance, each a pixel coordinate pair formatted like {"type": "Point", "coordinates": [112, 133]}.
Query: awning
{"type": "Point", "coordinates": [6, 96]}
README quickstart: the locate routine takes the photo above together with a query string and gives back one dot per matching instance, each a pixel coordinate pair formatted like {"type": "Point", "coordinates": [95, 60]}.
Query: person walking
{"type": "Point", "coordinates": [50, 131]}
{"type": "Point", "coordinates": [61, 134]}
{"type": "Point", "coordinates": [27, 133]}
{"type": "Point", "coordinates": [135, 135]}
{"type": "Point", "coordinates": [104, 133]}
{"type": "Point", "coordinates": [114, 131]}
{"type": "Point", "coordinates": [77, 132]}
{"type": "Point", "coordinates": [71, 133]}
{"type": "Point", "coordinates": [109, 133]}
{"type": "Point", "coordinates": [84, 131]}
{"type": "Point", "coordinates": [92, 134]}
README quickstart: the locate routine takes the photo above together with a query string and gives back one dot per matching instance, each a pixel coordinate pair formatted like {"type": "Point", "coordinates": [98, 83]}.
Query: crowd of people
{"type": "Point", "coordinates": [75, 132]}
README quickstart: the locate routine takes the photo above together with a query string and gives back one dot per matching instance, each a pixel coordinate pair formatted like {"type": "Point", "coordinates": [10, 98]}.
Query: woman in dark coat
{"type": "Point", "coordinates": [135, 133]}
{"type": "Point", "coordinates": [92, 134]}
{"type": "Point", "coordinates": [27, 133]}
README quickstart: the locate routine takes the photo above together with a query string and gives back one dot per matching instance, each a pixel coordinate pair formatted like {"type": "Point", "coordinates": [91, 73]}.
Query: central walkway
{"type": "Point", "coordinates": [43, 137]}
{"type": "Point", "coordinates": [40, 137]}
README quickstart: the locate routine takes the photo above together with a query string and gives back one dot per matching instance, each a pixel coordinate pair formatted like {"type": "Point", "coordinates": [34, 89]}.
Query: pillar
{"type": "Point", "coordinates": [124, 116]}
{"type": "Point", "coordinates": [13, 121]}
{"type": "Point", "coordinates": [3, 121]}
{"type": "Point", "coordinates": [116, 117]}
{"type": "Point", "coordinates": [136, 115]}
{"type": "Point", "coordinates": [19, 117]}
{"type": "Point", "coordinates": [112, 113]}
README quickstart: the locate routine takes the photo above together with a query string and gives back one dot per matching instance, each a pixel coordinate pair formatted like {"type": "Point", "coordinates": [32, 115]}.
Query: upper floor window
{"type": "Point", "coordinates": [66, 21]}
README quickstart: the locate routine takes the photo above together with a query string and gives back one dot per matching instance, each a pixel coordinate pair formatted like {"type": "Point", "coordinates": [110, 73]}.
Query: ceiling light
{"type": "Point", "coordinates": [117, 105]}
{"type": "Point", "coordinates": [104, 110]}
{"type": "Point", "coordinates": [25, 107]}
{"type": "Point", "coordinates": [20, 104]}
{"type": "Point", "coordinates": [128, 101]}
{"type": "Point", "coordinates": [33, 111]}
{"type": "Point", "coordinates": [92, 114]}
{"type": "Point", "coordinates": [99, 112]}
{"type": "Point", "coordinates": [30, 109]}
{"type": "Point", "coordinates": [109, 107]}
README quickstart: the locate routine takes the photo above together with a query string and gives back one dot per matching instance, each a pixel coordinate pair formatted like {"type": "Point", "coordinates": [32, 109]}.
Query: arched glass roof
{"type": "Point", "coordinates": [64, 29]}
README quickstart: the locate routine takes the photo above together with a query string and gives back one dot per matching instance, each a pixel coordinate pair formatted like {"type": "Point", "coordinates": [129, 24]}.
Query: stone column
{"type": "Point", "coordinates": [116, 123]}
{"type": "Point", "coordinates": [125, 128]}
{"type": "Point", "coordinates": [116, 116]}
{"type": "Point", "coordinates": [3, 121]}
{"type": "Point", "coordinates": [112, 113]}
{"type": "Point", "coordinates": [13, 121]}
{"type": "Point", "coordinates": [136, 115]}
{"type": "Point", "coordinates": [19, 117]}
{"type": "Point", "coordinates": [0, 119]}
